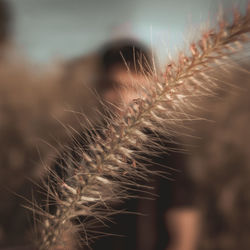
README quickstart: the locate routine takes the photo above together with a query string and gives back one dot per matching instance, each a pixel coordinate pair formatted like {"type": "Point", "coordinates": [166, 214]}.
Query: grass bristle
{"type": "Point", "coordinates": [109, 170]}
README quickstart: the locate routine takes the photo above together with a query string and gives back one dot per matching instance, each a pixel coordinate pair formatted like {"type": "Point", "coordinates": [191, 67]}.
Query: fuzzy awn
{"type": "Point", "coordinates": [104, 174]}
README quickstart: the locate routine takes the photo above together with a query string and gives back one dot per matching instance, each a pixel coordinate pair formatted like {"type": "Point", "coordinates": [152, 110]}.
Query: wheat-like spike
{"type": "Point", "coordinates": [109, 170]}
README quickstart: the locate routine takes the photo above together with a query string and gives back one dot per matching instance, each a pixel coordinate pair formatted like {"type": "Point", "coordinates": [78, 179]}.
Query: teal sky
{"type": "Point", "coordinates": [47, 29]}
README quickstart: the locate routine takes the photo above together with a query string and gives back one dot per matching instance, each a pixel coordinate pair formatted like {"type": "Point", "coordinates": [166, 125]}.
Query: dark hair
{"type": "Point", "coordinates": [126, 53]}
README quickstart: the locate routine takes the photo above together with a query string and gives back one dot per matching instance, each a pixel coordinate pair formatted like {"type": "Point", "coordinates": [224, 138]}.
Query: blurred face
{"type": "Point", "coordinates": [129, 86]}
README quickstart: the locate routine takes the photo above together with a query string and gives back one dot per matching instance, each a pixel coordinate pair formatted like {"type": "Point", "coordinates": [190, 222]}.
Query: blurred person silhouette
{"type": "Point", "coordinates": [170, 220]}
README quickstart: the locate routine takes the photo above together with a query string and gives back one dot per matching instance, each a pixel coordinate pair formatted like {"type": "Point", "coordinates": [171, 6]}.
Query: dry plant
{"type": "Point", "coordinates": [108, 169]}
{"type": "Point", "coordinates": [35, 106]}
{"type": "Point", "coordinates": [219, 164]}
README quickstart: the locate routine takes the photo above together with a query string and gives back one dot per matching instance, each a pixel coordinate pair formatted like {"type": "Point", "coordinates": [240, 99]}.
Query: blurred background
{"type": "Point", "coordinates": [64, 29]}
{"type": "Point", "coordinates": [208, 203]}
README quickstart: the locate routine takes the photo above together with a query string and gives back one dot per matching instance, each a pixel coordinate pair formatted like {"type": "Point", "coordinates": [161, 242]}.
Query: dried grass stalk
{"type": "Point", "coordinates": [109, 170]}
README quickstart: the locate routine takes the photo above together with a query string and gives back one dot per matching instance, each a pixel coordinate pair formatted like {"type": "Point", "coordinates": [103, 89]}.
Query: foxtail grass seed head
{"type": "Point", "coordinates": [109, 169]}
